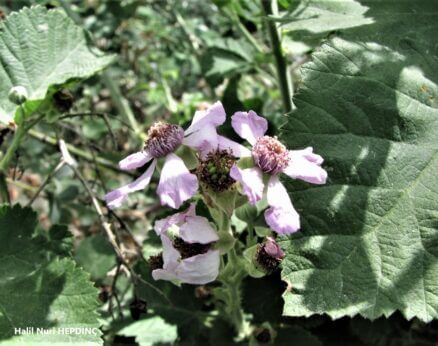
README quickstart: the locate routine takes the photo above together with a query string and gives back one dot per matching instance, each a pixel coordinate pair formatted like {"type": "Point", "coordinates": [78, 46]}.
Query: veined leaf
{"type": "Point", "coordinates": [40, 49]}
{"type": "Point", "coordinates": [41, 291]}
{"type": "Point", "coordinates": [369, 241]}
{"type": "Point", "coordinates": [317, 16]}
{"type": "Point", "coordinates": [151, 331]}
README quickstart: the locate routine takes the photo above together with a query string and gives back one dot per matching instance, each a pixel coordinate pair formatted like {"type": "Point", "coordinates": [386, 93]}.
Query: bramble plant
{"type": "Point", "coordinates": [218, 172]}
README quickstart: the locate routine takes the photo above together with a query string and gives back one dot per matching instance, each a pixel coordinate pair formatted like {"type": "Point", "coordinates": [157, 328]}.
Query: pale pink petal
{"type": "Point", "coordinates": [175, 219]}
{"type": "Point", "coordinates": [176, 184]}
{"type": "Point", "coordinates": [199, 269]}
{"type": "Point", "coordinates": [197, 229]}
{"type": "Point", "coordinates": [171, 256]}
{"type": "Point", "coordinates": [237, 149]}
{"type": "Point", "coordinates": [115, 198]}
{"type": "Point", "coordinates": [281, 216]}
{"type": "Point", "coordinates": [305, 165]}
{"type": "Point", "coordinates": [204, 140]}
{"type": "Point", "coordinates": [251, 180]}
{"type": "Point", "coordinates": [249, 125]}
{"type": "Point", "coordinates": [212, 116]}
{"type": "Point", "coordinates": [135, 160]}
{"type": "Point", "coordinates": [171, 261]}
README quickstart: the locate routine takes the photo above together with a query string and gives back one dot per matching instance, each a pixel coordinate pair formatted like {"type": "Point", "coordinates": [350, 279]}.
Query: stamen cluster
{"type": "Point", "coordinates": [188, 250]}
{"type": "Point", "coordinates": [156, 262]}
{"type": "Point", "coordinates": [163, 138]}
{"type": "Point", "coordinates": [270, 155]}
{"type": "Point", "coordinates": [214, 170]}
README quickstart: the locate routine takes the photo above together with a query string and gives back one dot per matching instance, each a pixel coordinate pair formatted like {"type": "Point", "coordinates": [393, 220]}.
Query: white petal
{"type": "Point", "coordinates": [197, 229]}
{"type": "Point", "coordinates": [200, 269]}
{"type": "Point", "coordinates": [212, 116]}
{"type": "Point", "coordinates": [177, 184]}
{"type": "Point", "coordinates": [175, 219]}
{"type": "Point", "coordinates": [237, 149]}
{"type": "Point", "coordinates": [135, 160]}
{"type": "Point", "coordinates": [305, 165]}
{"type": "Point", "coordinates": [115, 198]}
{"type": "Point", "coordinates": [251, 180]}
{"type": "Point", "coordinates": [249, 126]}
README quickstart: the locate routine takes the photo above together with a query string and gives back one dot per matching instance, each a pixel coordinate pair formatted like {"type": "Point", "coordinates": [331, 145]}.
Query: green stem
{"type": "Point", "coordinates": [236, 21]}
{"type": "Point", "coordinates": [119, 100]}
{"type": "Point", "coordinates": [121, 103]}
{"type": "Point", "coordinates": [18, 136]}
{"type": "Point", "coordinates": [232, 284]}
{"type": "Point", "coordinates": [251, 239]}
{"type": "Point", "coordinates": [4, 192]}
{"type": "Point", "coordinates": [284, 77]}
{"type": "Point", "coordinates": [6, 159]}
{"type": "Point", "coordinates": [78, 152]}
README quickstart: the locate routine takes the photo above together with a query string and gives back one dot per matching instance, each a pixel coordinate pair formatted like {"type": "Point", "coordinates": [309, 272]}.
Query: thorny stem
{"type": "Point", "coordinates": [284, 77]}
{"type": "Point", "coordinates": [46, 181]}
{"type": "Point", "coordinates": [69, 161]}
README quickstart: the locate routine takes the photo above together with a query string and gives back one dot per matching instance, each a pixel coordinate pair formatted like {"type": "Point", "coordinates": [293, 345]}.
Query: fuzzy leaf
{"type": "Point", "coordinates": [151, 331]}
{"type": "Point", "coordinates": [319, 16]}
{"type": "Point", "coordinates": [39, 292]}
{"type": "Point", "coordinates": [40, 49]}
{"type": "Point", "coordinates": [368, 104]}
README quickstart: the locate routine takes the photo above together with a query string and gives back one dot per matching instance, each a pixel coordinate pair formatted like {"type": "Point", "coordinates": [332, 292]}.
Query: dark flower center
{"type": "Point", "coordinates": [270, 155]}
{"type": "Point", "coordinates": [214, 170]}
{"type": "Point", "coordinates": [190, 249]}
{"type": "Point", "coordinates": [163, 138]}
{"type": "Point", "coordinates": [156, 262]}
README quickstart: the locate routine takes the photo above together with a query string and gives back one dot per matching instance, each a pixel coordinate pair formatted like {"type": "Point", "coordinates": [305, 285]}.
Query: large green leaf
{"type": "Point", "coordinates": [319, 16]}
{"type": "Point", "coordinates": [40, 49]}
{"type": "Point", "coordinates": [368, 104]}
{"type": "Point", "coordinates": [151, 331]}
{"type": "Point", "coordinates": [40, 291]}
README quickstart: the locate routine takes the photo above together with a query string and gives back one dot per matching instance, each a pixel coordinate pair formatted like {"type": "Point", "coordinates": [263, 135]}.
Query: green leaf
{"type": "Point", "coordinates": [368, 104]}
{"type": "Point", "coordinates": [40, 49]}
{"type": "Point", "coordinates": [151, 331]}
{"type": "Point", "coordinates": [39, 292]}
{"type": "Point", "coordinates": [96, 256]}
{"type": "Point", "coordinates": [319, 16]}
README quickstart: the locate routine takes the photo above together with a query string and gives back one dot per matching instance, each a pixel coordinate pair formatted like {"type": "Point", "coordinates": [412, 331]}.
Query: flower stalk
{"type": "Point", "coordinates": [284, 77]}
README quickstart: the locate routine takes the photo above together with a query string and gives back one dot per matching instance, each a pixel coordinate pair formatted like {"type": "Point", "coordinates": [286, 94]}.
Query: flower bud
{"type": "Point", "coordinates": [18, 94]}
{"type": "Point", "coordinates": [269, 255]}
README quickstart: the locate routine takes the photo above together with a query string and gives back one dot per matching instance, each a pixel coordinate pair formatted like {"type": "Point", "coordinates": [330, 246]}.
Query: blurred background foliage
{"type": "Point", "coordinates": [173, 57]}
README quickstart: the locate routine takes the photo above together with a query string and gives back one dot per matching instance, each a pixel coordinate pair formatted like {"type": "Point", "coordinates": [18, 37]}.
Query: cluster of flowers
{"type": "Point", "coordinates": [188, 240]}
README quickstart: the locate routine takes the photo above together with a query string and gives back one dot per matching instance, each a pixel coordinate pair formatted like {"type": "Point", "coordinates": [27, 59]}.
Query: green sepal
{"type": "Point", "coordinates": [245, 162]}
{"type": "Point", "coordinates": [251, 264]}
{"type": "Point", "coordinates": [225, 201]}
{"type": "Point", "coordinates": [225, 243]}
{"type": "Point", "coordinates": [188, 156]}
